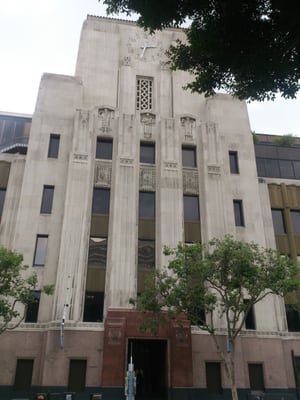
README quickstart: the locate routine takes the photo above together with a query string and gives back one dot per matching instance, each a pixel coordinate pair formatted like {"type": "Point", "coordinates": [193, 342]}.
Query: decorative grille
{"type": "Point", "coordinates": [144, 93]}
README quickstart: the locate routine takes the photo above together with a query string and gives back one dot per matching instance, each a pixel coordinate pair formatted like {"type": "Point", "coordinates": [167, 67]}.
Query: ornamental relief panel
{"type": "Point", "coordinates": [105, 118]}
{"type": "Point", "coordinates": [147, 121]}
{"type": "Point", "coordinates": [188, 128]}
{"type": "Point", "coordinates": [147, 179]}
{"type": "Point", "coordinates": [102, 175]}
{"type": "Point", "coordinates": [190, 182]}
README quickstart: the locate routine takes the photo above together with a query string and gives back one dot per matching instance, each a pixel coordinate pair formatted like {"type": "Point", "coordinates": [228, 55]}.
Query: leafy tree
{"type": "Point", "coordinates": [285, 140]}
{"type": "Point", "coordinates": [223, 279]}
{"type": "Point", "coordinates": [15, 289]}
{"type": "Point", "coordinates": [250, 48]}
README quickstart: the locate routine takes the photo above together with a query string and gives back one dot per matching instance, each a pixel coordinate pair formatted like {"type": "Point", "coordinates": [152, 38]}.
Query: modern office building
{"type": "Point", "coordinates": [120, 162]}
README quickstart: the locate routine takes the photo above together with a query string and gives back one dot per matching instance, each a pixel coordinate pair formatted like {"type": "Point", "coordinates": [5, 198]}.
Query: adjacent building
{"type": "Point", "coordinates": [121, 161]}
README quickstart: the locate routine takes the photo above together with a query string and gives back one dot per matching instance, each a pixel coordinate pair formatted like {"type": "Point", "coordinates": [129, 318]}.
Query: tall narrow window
{"type": "Point", "coordinates": [47, 199]}
{"type": "Point", "coordinates": [278, 221]}
{"type": "Point", "coordinates": [146, 254]}
{"type": "Point", "coordinates": [147, 153]}
{"type": "Point", "coordinates": [97, 252]}
{"type": "Point", "coordinates": [191, 208]}
{"type": "Point", "coordinates": [256, 376]}
{"type": "Point", "coordinates": [32, 308]}
{"type": "Point", "coordinates": [295, 217]}
{"type": "Point", "coordinates": [53, 146]}
{"type": "Point", "coordinates": [93, 307]}
{"type": "Point", "coordinates": [77, 373]}
{"type": "Point", "coordinates": [238, 212]}
{"type": "Point", "coordinates": [104, 148]}
{"type": "Point", "coordinates": [189, 157]}
{"type": "Point", "coordinates": [233, 162]}
{"type": "Point", "coordinates": [293, 317]}
{"type": "Point", "coordinates": [144, 93]}
{"type": "Point", "coordinates": [2, 199]}
{"type": "Point", "coordinates": [213, 377]}
{"type": "Point", "coordinates": [147, 205]}
{"type": "Point", "coordinates": [250, 318]}
{"type": "Point", "coordinates": [101, 198]}
{"type": "Point", "coordinates": [23, 375]}
{"type": "Point", "coordinates": [40, 250]}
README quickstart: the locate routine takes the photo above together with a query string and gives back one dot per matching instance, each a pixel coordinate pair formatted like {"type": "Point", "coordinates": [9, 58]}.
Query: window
{"type": "Point", "coordinates": [238, 213]}
{"type": "Point", "coordinates": [53, 146]}
{"type": "Point", "coordinates": [286, 169]}
{"type": "Point", "coordinates": [292, 317]}
{"type": "Point", "coordinates": [147, 153]}
{"type": "Point", "coordinates": [295, 217]}
{"type": "Point", "coordinates": [101, 198]}
{"type": "Point", "coordinates": [278, 221]}
{"type": "Point", "coordinates": [146, 254]}
{"type": "Point", "coordinates": [40, 250]}
{"type": "Point", "coordinates": [32, 308]}
{"type": "Point", "coordinates": [23, 375]}
{"type": "Point", "coordinates": [93, 307]}
{"type": "Point", "coordinates": [144, 93]}
{"type": "Point", "coordinates": [47, 199]}
{"type": "Point", "coordinates": [77, 372]}
{"type": "Point", "coordinates": [97, 252]}
{"type": "Point", "coordinates": [233, 162]}
{"type": "Point", "coordinates": [2, 199]}
{"type": "Point", "coordinates": [104, 148]}
{"type": "Point", "coordinates": [213, 377]}
{"type": "Point", "coordinates": [256, 376]}
{"type": "Point", "coordinates": [147, 205]}
{"type": "Point", "coordinates": [191, 208]}
{"type": "Point", "coordinates": [250, 318]}
{"type": "Point", "coordinates": [189, 157]}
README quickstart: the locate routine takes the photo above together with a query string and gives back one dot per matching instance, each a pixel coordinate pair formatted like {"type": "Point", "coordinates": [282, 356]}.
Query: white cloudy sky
{"type": "Point", "coordinates": [39, 36]}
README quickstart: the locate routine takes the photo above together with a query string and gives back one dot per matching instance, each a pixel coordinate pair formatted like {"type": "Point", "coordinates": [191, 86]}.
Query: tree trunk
{"type": "Point", "coordinates": [234, 392]}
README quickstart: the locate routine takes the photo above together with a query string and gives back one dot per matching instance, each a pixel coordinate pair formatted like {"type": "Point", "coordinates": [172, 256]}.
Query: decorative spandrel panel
{"type": "Point", "coordinates": [147, 179]}
{"type": "Point", "coordinates": [188, 128]}
{"type": "Point", "coordinates": [102, 175]}
{"type": "Point", "coordinates": [147, 123]}
{"type": "Point", "coordinates": [105, 120]}
{"type": "Point", "coordinates": [190, 181]}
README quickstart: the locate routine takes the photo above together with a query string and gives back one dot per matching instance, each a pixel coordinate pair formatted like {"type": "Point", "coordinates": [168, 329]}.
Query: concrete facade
{"type": "Point", "coordinates": [103, 102]}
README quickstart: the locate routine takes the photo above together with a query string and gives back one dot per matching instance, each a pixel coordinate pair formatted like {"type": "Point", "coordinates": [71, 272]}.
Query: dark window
{"type": "Point", "coordinates": [23, 375]}
{"type": "Point", "coordinates": [295, 217]}
{"type": "Point", "coordinates": [238, 212]}
{"type": "Point", "coordinates": [101, 198]}
{"type": "Point", "coordinates": [278, 221]}
{"type": "Point", "coordinates": [147, 153]}
{"type": "Point", "coordinates": [146, 254]}
{"type": "Point", "coordinates": [97, 252]}
{"type": "Point", "coordinates": [272, 168]}
{"type": "Point", "coordinates": [47, 199]}
{"type": "Point", "coordinates": [189, 156]}
{"type": "Point", "coordinates": [32, 308]}
{"type": "Point", "coordinates": [250, 318]}
{"type": "Point", "coordinates": [260, 166]}
{"type": "Point", "coordinates": [286, 169]}
{"type": "Point", "coordinates": [292, 317]}
{"type": "Point", "coordinates": [146, 204]}
{"type": "Point", "coordinates": [40, 250]}
{"type": "Point", "coordinates": [297, 169]}
{"type": "Point", "coordinates": [213, 377]}
{"type": "Point", "coordinates": [93, 307]}
{"type": "Point", "coordinates": [233, 162]}
{"type": "Point", "coordinates": [104, 148]}
{"type": "Point", "coordinates": [256, 376]}
{"type": "Point", "coordinates": [53, 146]}
{"type": "Point", "coordinates": [77, 372]}
{"type": "Point", "coordinates": [191, 208]}
{"type": "Point", "coordinates": [2, 199]}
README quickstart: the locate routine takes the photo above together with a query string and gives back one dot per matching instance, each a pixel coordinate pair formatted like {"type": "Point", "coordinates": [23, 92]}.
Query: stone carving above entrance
{"type": "Point", "coordinates": [105, 117]}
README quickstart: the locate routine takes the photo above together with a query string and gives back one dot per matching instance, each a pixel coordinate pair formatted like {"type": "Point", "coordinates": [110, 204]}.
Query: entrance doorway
{"type": "Point", "coordinates": [150, 365]}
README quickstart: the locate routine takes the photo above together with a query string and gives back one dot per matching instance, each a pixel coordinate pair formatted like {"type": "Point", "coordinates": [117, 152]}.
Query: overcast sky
{"type": "Point", "coordinates": [39, 36]}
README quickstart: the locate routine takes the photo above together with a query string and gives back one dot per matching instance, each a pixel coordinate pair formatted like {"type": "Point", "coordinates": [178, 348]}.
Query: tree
{"type": "Point", "coordinates": [249, 48]}
{"type": "Point", "coordinates": [15, 289]}
{"type": "Point", "coordinates": [223, 279]}
{"type": "Point", "coordinates": [285, 140]}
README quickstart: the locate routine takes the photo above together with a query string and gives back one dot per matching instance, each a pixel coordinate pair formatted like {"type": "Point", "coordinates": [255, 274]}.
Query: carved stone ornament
{"type": "Point", "coordinates": [182, 337]}
{"type": "Point", "coordinates": [211, 128]}
{"type": "Point", "coordinates": [105, 117]}
{"type": "Point", "coordinates": [147, 178]}
{"type": "Point", "coordinates": [188, 125]}
{"type": "Point", "coordinates": [80, 157]}
{"type": "Point", "coordinates": [190, 182]}
{"type": "Point", "coordinates": [170, 164]}
{"type": "Point", "coordinates": [147, 118]}
{"type": "Point", "coordinates": [126, 161]}
{"type": "Point", "coordinates": [214, 169]}
{"type": "Point", "coordinates": [102, 175]}
{"type": "Point", "coordinates": [114, 335]}
{"type": "Point", "coordinates": [127, 61]}
{"type": "Point", "coordinates": [84, 117]}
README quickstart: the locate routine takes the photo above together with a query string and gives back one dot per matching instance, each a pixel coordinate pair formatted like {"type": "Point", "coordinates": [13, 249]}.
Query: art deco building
{"type": "Point", "coordinates": [120, 162]}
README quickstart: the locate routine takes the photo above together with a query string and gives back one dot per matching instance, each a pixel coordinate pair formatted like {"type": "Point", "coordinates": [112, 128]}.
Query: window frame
{"type": "Point", "coordinates": [188, 162]}
{"type": "Point", "coordinates": [144, 158]}
{"type": "Point", "coordinates": [54, 145]}
{"type": "Point", "coordinates": [103, 205]}
{"type": "Point", "coordinates": [107, 153]}
{"type": "Point", "coordinates": [275, 212]}
{"type": "Point", "coordinates": [238, 211]}
{"type": "Point", "coordinates": [150, 95]}
{"type": "Point", "coordinates": [47, 202]}
{"type": "Point", "coordinates": [233, 162]}
{"type": "Point", "coordinates": [187, 208]}
{"type": "Point", "coordinates": [35, 264]}
{"type": "Point", "coordinates": [147, 210]}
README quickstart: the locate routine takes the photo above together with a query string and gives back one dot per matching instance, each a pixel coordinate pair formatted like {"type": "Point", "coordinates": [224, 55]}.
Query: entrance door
{"type": "Point", "coordinates": [150, 365]}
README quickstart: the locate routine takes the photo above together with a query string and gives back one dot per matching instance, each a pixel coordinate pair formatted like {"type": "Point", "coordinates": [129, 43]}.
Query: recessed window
{"type": "Point", "coordinates": [191, 208]}
{"type": "Point", "coordinates": [101, 199]}
{"type": "Point", "coordinates": [53, 146]}
{"type": "Point", "coordinates": [93, 307]}
{"type": "Point", "coordinates": [278, 221]}
{"type": "Point", "coordinates": [97, 252]}
{"type": "Point", "coordinates": [32, 308]}
{"type": "Point", "coordinates": [292, 317]}
{"type": "Point", "coordinates": [189, 156]}
{"type": "Point", "coordinates": [238, 213]}
{"type": "Point", "coordinates": [250, 318]}
{"type": "Point", "coordinates": [144, 93]}
{"type": "Point", "coordinates": [147, 205]}
{"type": "Point", "coordinates": [213, 377]}
{"type": "Point", "coordinates": [23, 376]}
{"type": "Point", "coordinates": [286, 169]}
{"type": "Point", "coordinates": [256, 377]}
{"type": "Point", "coordinates": [233, 162]}
{"type": "Point", "coordinates": [146, 254]}
{"type": "Point", "coordinates": [77, 373]}
{"type": "Point", "coordinates": [47, 199]}
{"type": "Point", "coordinates": [40, 250]}
{"type": "Point", "coordinates": [147, 153]}
{"type": "Point", "coordinates": [295, 217]}
{"type": "Point", "coordinates": [2, 199]}
{"type": "Point", "coordinates": [104, 148]}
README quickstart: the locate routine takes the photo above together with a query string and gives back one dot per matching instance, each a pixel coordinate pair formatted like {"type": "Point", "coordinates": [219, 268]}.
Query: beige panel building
{"type": "Point", "coordinates": [121, 161]}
